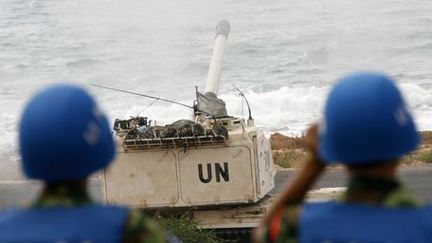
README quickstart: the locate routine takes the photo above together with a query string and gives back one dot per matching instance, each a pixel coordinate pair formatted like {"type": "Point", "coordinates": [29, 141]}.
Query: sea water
{"type": "Point", "coordinates": [283, 54]}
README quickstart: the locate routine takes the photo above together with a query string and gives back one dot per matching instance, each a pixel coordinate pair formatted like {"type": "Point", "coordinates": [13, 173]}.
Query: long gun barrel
{"type": "Point", "coordinates": [214, 73]}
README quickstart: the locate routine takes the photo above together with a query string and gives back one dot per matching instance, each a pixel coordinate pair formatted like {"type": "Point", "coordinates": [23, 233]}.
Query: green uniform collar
{"type": "Point", "coordinates": [63, 196]}
{"type": "Point", "coordinates": [378, 191]}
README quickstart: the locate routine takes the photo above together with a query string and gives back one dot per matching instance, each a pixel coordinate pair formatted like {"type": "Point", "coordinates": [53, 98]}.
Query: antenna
{"type": "Point", "coordinates": [154, 101]}
{"type": "Point", "coordinates": [247, 103]}
{"type": "Point", "coordinates": [153, 97]}
{"type": "Point", "coordinates": [147, 96]}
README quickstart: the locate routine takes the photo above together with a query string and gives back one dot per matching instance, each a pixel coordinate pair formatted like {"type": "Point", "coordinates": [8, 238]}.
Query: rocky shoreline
{"type": "Point", "coordinates": [289, 152]}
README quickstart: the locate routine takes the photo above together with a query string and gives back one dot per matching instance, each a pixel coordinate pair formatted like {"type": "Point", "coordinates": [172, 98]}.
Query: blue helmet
{"type": "Point", "coordinates": [63, 135]}
{"type": "Point", "coordinates": [366, 121]}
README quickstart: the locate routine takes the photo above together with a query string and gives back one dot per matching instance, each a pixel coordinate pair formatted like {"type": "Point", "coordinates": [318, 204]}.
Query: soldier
{"type": "Point", "coordinates": [64, 138]}
{"type": "Point", "coordinates": [367, 128]}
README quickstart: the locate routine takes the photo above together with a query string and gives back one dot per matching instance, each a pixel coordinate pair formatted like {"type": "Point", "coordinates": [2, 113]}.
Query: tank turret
{"type": "Point", "coordinates": [217, 166]}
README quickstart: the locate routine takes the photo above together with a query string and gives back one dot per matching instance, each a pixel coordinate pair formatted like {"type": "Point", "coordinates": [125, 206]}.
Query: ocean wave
{"type": "Point", "coordinates": [285, 107]}
{"type": "Point", "coordinates": [284, 55]}
{"type": "Point", "coordinates": [79, 62]}
{"type": "Point", "coordinates": [425, 46]}
{"type": "Point", "coordinates": [417, 97]}
{"type": "Point", "coordinates": [288, 110]}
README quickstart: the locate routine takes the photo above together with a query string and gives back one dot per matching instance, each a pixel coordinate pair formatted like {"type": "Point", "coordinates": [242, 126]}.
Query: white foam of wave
{"type": "Point", "coordinates": [420, 101]}
{"type": "Point", "coordinates": [8, 141]}
{"type": "Point", "coordinates": [288, 110]}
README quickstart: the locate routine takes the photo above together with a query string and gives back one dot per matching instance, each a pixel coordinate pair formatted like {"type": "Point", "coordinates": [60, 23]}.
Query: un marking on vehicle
{"type": "Point", "coordinates": [219, 171]}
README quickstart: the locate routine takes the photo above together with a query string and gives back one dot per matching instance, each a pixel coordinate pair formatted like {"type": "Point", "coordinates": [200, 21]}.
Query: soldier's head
{"type": "Point", "coordinates": [366, 122]}
{"type": "Point", "coordinates": [63, 135]}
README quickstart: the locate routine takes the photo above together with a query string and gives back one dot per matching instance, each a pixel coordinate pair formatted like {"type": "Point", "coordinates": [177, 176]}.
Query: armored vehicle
{"type": "Point", "coordinates": [217, 167]}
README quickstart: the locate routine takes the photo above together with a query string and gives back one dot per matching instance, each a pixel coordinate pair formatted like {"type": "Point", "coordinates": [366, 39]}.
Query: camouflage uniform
{"type": "Point", "coordinates": [138, 227]}
{"type": "Point", "coordinates": [375, 191]}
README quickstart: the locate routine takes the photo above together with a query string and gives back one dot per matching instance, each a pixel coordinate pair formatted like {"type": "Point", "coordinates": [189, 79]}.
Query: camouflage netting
{"type": "Point", "coordinates": [136, 128]}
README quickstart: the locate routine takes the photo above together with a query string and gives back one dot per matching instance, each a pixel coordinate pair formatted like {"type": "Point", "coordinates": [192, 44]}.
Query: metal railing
{"type": "Point", "coordinates": [173, 142]}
